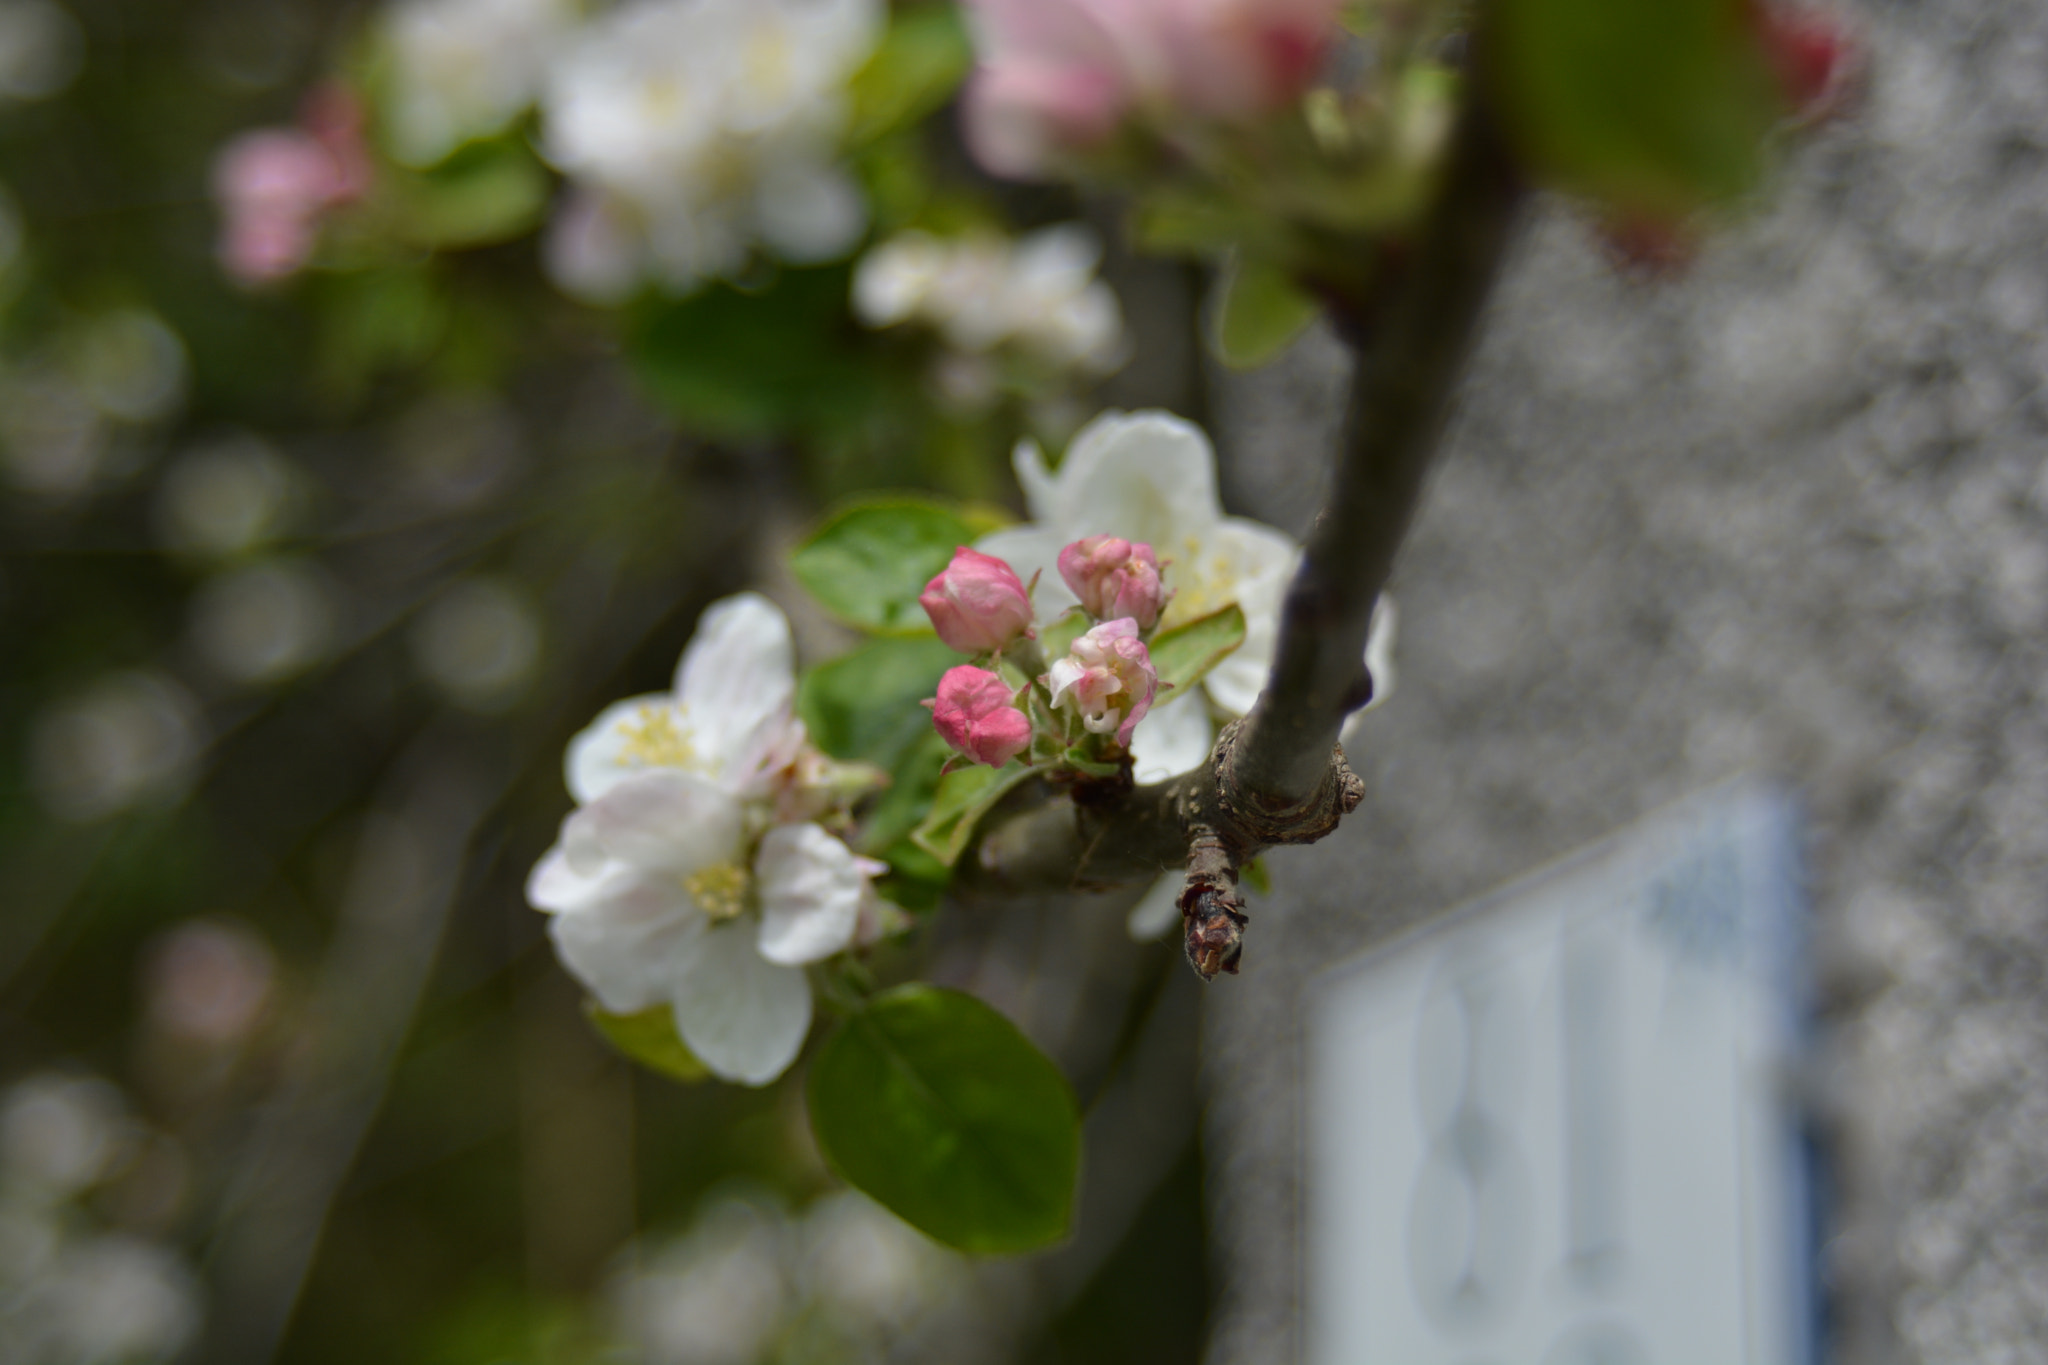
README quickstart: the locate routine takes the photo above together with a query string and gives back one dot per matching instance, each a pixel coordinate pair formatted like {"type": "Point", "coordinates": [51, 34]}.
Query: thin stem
{"type": "Point", "coordinates": [1277, 777]}
{"type": "Point", "coordinates": [1400, 397]}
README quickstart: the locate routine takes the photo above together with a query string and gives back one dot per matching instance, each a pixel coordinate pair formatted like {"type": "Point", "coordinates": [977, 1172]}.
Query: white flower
{"type": "Point", "coordinates": [693, 128]}
{"type": "Point", "coordinates": [1151, 477]}
{"type": "Point", "coordinates": [464, 69]}
{"type": "Point", "coordinates": [655, 902]}
{"type": "Point", "coordinates": [663, 886]}
{"type": "Point", "coordinates": [730, 718]}
{"type": "Point", "coordinates": [982, 291]}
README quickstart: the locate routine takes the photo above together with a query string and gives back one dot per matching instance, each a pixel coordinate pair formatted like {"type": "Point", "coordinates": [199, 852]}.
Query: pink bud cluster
{"type": "Point", "coordinates": [1106, 682]}
{"type": "Point", "coordinates": [1059, 77]}
{"type": "Point", "coordinates": [275, 184]}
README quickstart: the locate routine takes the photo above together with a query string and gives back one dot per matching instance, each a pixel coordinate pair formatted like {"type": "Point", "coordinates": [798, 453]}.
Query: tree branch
{"type": "Point", "coordinates": [1278, 776]}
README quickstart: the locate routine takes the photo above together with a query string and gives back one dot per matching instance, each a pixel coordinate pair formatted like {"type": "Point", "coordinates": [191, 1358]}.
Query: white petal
{"type": "Point", "coordinates": [1041, 489]}
{"type": "Point", "coordinates": [811, 886]}
{"type": "Point", "coordinates": [1379, 662]}
{"type": "Point", "coordinates": [1145, 476]}
{"type": "Point", "coordinates": [736, 682]}
{"type": "Point", "coordinates": [1159, 909]}
{"type": "Point", "coordinates": [599, 756]}
{"type": "Point", "coordinates": [557, 883]}
{"type": "Point", "coordinates": [809, 212]}
{"type": "Point", "coordinates": [1172, 739]}
{"type": "Point", "coordinates": [742, 1015]}
{"type": "Point", "coordinates": [666, 822]}
{"type": "Point", "coordinates": [1251, 563]}
{"type": "Point", "coordinates": [629, 938]}
{"type": "Point", "coordinates": [1033, 550]}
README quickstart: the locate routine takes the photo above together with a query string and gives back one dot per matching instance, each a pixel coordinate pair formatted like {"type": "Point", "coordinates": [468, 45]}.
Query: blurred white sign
{"type": "Point", "coordinates": [1555, 1128]}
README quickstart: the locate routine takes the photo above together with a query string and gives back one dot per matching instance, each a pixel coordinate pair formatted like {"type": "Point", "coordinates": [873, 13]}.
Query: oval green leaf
{"type": "Point", "coordinates": [1259, 314]}
{"type": "Point", "coordinates": [963, 797]}
{"type": "Point", "coordinates": [649, 1037]}
{"type": "Point", "coordinates": [942, 1111]}
{"type": "Point", "coordinates": [867, 564]}
{"type": "Point", "coordinates": [863, 706]}
{"type": "Point", "coordinates": [1184, 655]}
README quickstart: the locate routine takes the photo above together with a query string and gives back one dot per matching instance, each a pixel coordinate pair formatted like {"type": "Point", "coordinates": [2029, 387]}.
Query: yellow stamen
{"type": "Point", "coordinates": [720, 890]}
{"type": "Point", "coordinates": [655, 740]}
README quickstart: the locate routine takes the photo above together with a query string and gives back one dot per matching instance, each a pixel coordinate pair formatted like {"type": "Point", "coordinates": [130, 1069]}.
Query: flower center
{"type": "Point", "coordinates": [655, 740]}
{"type": "Point", "coordinates": [1201, 584]}
{"type": "Point", "coordinates": [719, 890]}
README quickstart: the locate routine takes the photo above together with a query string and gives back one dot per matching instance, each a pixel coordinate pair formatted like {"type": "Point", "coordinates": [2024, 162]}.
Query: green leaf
{"type": "Point", "coordinates": [1653, 107]}
{"type": "Point", "coordinates": [913, 785]}
{"type": "Point", "coordinates": [915, 69]}
{"type": "Point", "coordinates": [863, 706]}
{"type": "Point", "coordinates": [939, 1109]}
{"type": "Point", "coordinates": [649, 1038]}
{"type": "Point", "coordinates": [750, 364]}
{"type": "Point", "coordinates": [868, 563]}
{"type": "Point", "coordinates": [964, 796]}
{"type": "Point", "coordinates": [487, 192]}
{"type": "Point", "coordinates": [1186, 653]}
{"type": "Point", "coordinates": [1259, 313]}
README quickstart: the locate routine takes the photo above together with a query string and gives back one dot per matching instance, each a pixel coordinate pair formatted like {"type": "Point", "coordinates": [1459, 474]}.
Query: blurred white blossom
{"type": "Point", "coordinates": [478, 642]}
{"type": "Point", "coordinates": [71, 1294]}
{"type": "Point", "coordinates": [226, 498]}
{"type": "Point", "coordinates": [52, 438]}
{"type": "Point", "coordinates": [464, 69]}
{"type": "Point", "coordinates": [716, 1296]}
{"type": "Point", "coordinates": [41, 49]}
{"type": "Point", "coordinates": [844, 1280]}
{"type": "Point", "coordinates": [982, 291]}
{"type": "Point", "coordinates": [264, 623]}
{"type": "Point", "coordinates": [208, 983]}
{"type": "Point", "coordinates": [693, 129]}
{"type": "Point", "coordinates": [130, 737]}
{"type": "Point", "coordinates": [456, 449]}
{"type": "Point", "coordinates": [129, 364]}
{"type": "Point", "coordinates": [58, 1136]}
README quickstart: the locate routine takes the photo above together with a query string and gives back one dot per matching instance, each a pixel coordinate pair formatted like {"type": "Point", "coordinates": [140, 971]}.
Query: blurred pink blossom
{"type": "Point", "coordinates": [275, 184]}
{"type": "Point", "coordinates": [1108, 677]}
{"type": "Point", "coordinates": [1060, 76]}
{"type": "Point", "coordinates": [1115, 578]}
{"type": "Point", "coordinates": [974, 712]}
{"type": "Point", "coordinates": [977, 603]}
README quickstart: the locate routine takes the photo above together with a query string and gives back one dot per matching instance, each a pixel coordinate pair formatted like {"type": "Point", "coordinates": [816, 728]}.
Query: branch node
{"type": "Point", "coordinates": [1261, 823]}
{"type": "Point", "coordinates": [1211, 906]}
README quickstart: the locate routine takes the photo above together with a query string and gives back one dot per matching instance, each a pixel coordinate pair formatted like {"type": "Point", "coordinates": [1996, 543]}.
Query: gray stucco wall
{"type": "Point", "coordinates": [1786, 515]}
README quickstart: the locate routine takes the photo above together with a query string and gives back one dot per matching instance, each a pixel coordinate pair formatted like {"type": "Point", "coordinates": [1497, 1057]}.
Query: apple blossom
{"type": "Point", "coordinates": [463, 69]}
{"type": "Point", "coordinates": [975, 713]}
{"type": "Point", "coordinates": [1151, 477]}
{"type": "Point", "coordinates": [977, 603]}
{"type": "Point", "coordinates": [274, 185]}
{"type": "Point", "coordinates": [1058, 77]}
{"type": "Point", "coordinates": [730, 718]}
{"type": "Point", "coordinates": [1108, 678]}
{"type": "Point", "coordinates": [1114, 578]}
{"type": "Point", "coordinates": [981, 292]}
{"type": "Point", "coordinates": [691, 129]}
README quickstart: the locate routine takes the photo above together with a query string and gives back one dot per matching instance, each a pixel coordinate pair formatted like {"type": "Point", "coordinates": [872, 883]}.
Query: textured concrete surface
{"type": "Point", "coordinates": [1788, 515]}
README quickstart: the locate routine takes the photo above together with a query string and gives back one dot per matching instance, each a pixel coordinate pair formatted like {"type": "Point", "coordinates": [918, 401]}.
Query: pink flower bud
{"type": "Point", "coordinates": [974, 713]}
{"type": "Point", "coordinates": [1115, 578]}
{"type": "Point", "coordinates": [978, 604]}
{"type": "Point", "coordinates": [1059, 76]}
{"type": "Point", "coordinates": [1108, 678]}
{"type": "Point", "coordinates": [275, 184]}
{"type": "Point", "coordinates": [1810, 53]}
